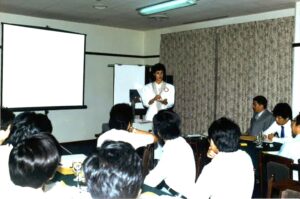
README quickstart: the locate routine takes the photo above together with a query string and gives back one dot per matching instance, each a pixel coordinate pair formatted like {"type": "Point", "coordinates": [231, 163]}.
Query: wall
{"type": "Point", "coordinates": [74, 125]}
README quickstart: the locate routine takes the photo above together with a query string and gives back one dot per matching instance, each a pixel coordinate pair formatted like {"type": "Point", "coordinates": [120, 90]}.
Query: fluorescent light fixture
{"type": "Point", "coordinates": [164, 6]}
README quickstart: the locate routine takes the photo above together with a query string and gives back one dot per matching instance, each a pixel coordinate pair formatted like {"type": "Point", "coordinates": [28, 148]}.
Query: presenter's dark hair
{"type": "Point", "coordinates": [120, 116]}
{"type": "Point", "coordinates": [167, 124]}
{"type": "Point", "coordinates": [226, 134]}
{"type": "Point", "coordinates": [158, 67]}
{"type": "Point", "coordinates": [24, 125]}
{"type": "Point", "coordinates": [261, 100]}
{"type": "Point", "coordinates": [34, 160]}
{"type": "Point", "coordinates": [284, 110]}
{"type": "Point", "coordinates": [114, 172]}
{"type": "Point", "coordinates": [7, 117]}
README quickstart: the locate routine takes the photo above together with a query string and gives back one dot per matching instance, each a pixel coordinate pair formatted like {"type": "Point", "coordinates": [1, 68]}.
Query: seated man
{"type": "Point", "coordinates": [291, 148]}
{"type": "Point", "coordinates": [32, 163]}
{"type": "Point", "coordinates": [230, 174]}
{"type": "Point", "coordinates": [120, 124]}
{"type": "Point", "coordinates": [7, 118]}
{"type": "Point", "coordinates": [280, 130]}
{"type": "Point", "coordinates": [114, 172]}
{"type": "Point", "coordinates": [262, 118]}
{"type": "Point", "coordinates": [175, 172]}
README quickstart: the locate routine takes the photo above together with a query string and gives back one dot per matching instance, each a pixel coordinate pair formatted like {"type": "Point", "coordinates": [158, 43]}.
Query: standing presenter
{"type": "Point", "coordinates": [158, 94]}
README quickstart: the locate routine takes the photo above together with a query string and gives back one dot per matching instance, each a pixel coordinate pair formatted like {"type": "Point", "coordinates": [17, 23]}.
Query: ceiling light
{"type": "Point", "coordinates": [99, 6]}
{"type": "Point", "coordinates": [164, 6]}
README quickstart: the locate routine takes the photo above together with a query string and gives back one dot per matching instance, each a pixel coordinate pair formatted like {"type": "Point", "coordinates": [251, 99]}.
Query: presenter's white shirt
{"type": "Point", "coordinates": [176, 166]}
{"type": "Point", "coordinates": [227, 176]}
{"type": "Point", "coordinates": [275, 128]}
{"type": "Point", "coordinates": [147, 93]}
{"type": "Point", "coordinates": [136, 140]}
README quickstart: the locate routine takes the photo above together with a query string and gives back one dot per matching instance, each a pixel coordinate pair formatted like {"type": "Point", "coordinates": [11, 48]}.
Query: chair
{"type": "Point", "coordinates": [147, 155]}
{"type": "Point", "coordinates": [273, 167]}
{"type": "Point", "coordinates": [287, 188]}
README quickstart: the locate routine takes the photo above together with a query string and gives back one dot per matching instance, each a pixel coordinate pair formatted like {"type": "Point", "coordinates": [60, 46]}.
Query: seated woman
{"type": "Point", "coordinates": [115, 171]}
{"type": "Point", "coordinates": [230, 174]}
{"type": "Point", "coordinates": [32, 163]}
{"type": "Point", "coordinates": [120, 124]}
{"type": "Point", "coordinates": [175, 171]}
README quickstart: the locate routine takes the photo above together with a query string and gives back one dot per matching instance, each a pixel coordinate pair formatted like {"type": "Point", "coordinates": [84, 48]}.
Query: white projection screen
{"type": "Point", "coordinates": [42, 68]}
{"type": "Point", "coordinates": [296, 81]}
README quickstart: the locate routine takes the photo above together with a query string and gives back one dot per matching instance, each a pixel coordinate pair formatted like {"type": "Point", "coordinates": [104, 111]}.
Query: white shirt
{"type": "Point", "coordinates": [147, 93]}
{"type": "Point", "coordinates": [291, 149]}
{"type": "Point", "coordinates": [136, 140]}
{"type": "Point", "coordinates": [277, 128]}
{"type": "Point", "coordinates": [5, 181]}
{"type": "Point", "coordinates": [176, 167]}
{"type": "Point", "coordinates": [227, 176]}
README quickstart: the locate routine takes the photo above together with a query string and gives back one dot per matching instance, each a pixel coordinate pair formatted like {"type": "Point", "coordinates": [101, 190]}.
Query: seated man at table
{"type": "Point", "coordinates": [230, 174]}
{"type": "Point", "coordinates": [115, 171]}
{"type": "Point", "coordinates": [175, 172]}
{"type": "Point", "coordinates": [280, 131]}
{"type": "Point", "coordinates": [291, 148]}
{"type": "Point", "coordinates": [120, 124]}
{"type": "Point", "coordinates": [262, 118]}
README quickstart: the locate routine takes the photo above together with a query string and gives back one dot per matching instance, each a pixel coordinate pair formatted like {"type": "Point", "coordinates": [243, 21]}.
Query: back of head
{"type": "Point", "coordinates": [261, 100]}
{"type": "Point", "coordinates": [43, 123]}
{"type": "Point", "coordinates": [284, 110]}
{"type": "Point", "coordinates": [226, 134]}
{"type": "Point", "coordinates": [24, 125]}
{"type": "Point", "coordinates": [158, 67]}
{"type": "Point", "coordinates": [7, 117]}
{"type": "Point", "coordinates": [166, 123]}
{"type": "Point", "coordinates": [120, 116]}
{"type": "Point", "coordinates": [114, 172]}
{"type": "Point", "coordinates": [34, 160]}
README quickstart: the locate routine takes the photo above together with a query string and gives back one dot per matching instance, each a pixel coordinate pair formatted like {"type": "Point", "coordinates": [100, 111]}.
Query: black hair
{"type": "Point", "coordinates": [166, 123]}
{"type": "Point", "coordinates": [284, 110]}
{"type": "Point", "coordinates": [7, 117]}
{"type": "Point", "coordinates": [261, 100]}
{"type": "Point", "coordinates": [33, 161]}
{"type": "Point", "coordinates": [114, 172]}
{"type": "Point", "coordinates": [44, 123]}
{"type": "Point", "coordinates": [120, 116]}
{"type": "Point", "coordinates": [158, 67]}
{"type": "Point", "coordinates": [24, 125]}
{"type": "Point", "coordinates": [226, 134]}
{"type": "Point", "coordinates": [297, 119]}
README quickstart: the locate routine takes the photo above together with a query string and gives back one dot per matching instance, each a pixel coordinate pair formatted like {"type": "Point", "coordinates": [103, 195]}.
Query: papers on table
{"type": "Point", "coordinates": [68, 160]}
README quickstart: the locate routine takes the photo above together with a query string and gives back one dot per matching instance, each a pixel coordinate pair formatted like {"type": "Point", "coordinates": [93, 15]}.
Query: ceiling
{"type": "Point", "coordinates": [123, 14]}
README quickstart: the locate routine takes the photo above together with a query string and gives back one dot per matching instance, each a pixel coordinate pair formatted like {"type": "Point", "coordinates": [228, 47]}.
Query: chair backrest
{"type": "Point", "coordinates": [287, 188]}
{"type": "Point", "coordinates": [273, 165]}
{"type": "Point", "coordinates": [148, 159]}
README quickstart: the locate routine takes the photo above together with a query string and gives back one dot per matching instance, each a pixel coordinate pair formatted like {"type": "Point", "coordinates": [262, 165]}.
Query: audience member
{"type": "Point", "coordinates": [7, 117]}
{"type": "Point", "coordinates": [114, 172]}
{"type": "Point", "coordinates": [32, 163]}
{"type": "Point", "coordinates": [120, 123]}
{"type": "Point", "coordinates": [291, 148]}
{"type": "Point", "coordinates": [262, 118]}
{"type": "Point", "coordinates": [280, 130]}
{"type": "Point", "coordinates": [175, 172]}
{"type": "Point", "coordinates": [230, 174]}
{"type": "Point", "coordinates": [157, 95]}
{"type": "Point", "coordinates": [24, 125]}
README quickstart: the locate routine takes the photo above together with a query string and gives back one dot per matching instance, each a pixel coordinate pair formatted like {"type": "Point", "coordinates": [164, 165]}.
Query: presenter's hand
{"type": "Point", "coordinates": [165, 101]}
{"type": "Point", "coordinates": [156, 98]}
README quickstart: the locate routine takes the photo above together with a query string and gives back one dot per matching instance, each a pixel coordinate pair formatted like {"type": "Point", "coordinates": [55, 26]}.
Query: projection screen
{"type": "Point", "coordinates": [42, 68]}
